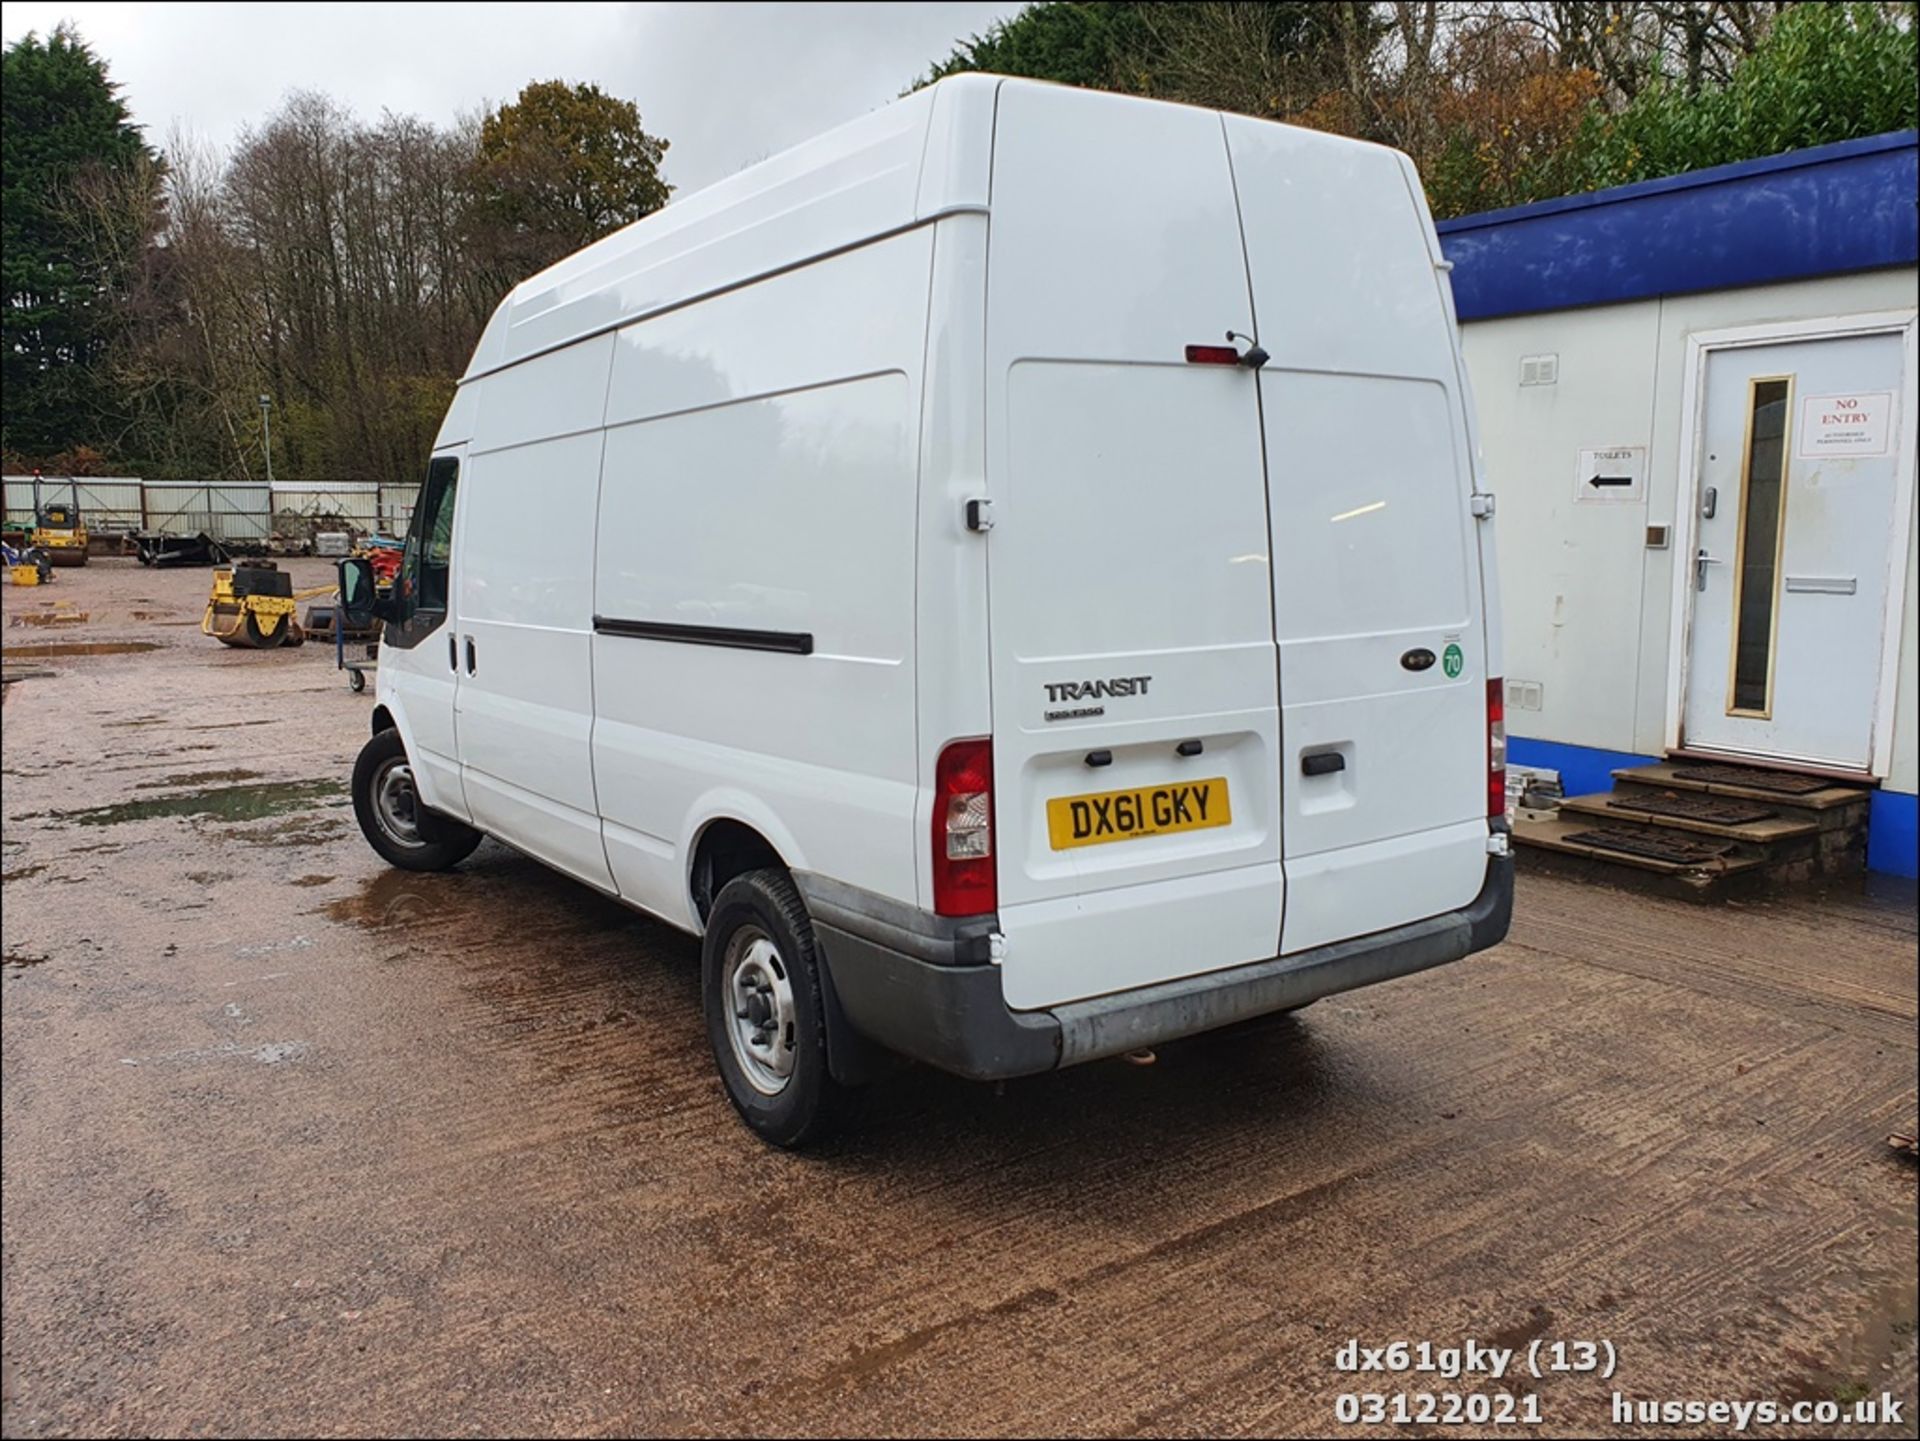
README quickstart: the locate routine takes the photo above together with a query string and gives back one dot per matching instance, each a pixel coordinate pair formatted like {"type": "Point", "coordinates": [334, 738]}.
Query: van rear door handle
{"type": "Point", "coordinates": [469, 655]}
{"type": "Point", "coordinates": [1324, 764]}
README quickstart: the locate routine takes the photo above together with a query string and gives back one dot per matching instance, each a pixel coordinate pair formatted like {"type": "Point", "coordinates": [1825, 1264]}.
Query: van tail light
{"type": "Point", "coordinates": [1496, 748]}
{"type": "Point", "coordinates": [964, 883]}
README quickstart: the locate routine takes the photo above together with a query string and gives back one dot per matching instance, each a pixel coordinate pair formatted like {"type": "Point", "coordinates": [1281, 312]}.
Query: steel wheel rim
{"type": "Point", "coordinates": [757, 990]}
{"type": "Point", "coordinates": [396, 805]}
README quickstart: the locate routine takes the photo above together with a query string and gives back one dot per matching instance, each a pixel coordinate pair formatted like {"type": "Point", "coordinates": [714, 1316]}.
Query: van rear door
{"type": "Point", "coordinates": [1376, 586]}
{"type": "Point", "coordinates": [1136, 782]}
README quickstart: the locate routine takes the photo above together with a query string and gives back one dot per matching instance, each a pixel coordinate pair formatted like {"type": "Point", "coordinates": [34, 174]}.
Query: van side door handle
{"type": "Point", "coordinates": [1324, 764]}
{"type": "Point", "coordinates": [453, 653]}
{"type": "Point", "coordinates": [469, 655]}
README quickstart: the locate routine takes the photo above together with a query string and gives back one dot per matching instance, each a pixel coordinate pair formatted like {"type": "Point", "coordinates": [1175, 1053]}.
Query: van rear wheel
{"type": "Point", "coordinates": [392, 817]}
{"type": "Point", "coordinates": [766, 1012]}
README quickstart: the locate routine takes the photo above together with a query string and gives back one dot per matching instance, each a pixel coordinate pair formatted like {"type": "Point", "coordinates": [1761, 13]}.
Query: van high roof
{"type": "Point", "coordinates": [927, 155]}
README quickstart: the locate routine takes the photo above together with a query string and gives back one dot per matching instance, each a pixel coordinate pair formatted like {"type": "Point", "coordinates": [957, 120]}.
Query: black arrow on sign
{"type": "Point", "coordinates": [1599, 480]}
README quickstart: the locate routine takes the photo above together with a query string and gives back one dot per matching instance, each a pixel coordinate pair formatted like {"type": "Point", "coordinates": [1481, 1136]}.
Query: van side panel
{"type": "Point", "coordinates": [1130, 544]}
{"type": "Point", "coordinates": [1375, 558]}
{"type": "Point", "coordinates": [760, 477]}
{"type": "Point", "coordinates": [525, 709]}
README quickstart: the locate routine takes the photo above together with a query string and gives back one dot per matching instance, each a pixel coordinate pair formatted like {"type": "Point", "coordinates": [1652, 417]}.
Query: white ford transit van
{"type": "Point", "coordinates": [1012, 574]}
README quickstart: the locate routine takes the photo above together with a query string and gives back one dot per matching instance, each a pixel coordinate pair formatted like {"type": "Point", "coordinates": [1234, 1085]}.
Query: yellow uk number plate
{"type": "Point", "coordinates": [1144, 811]}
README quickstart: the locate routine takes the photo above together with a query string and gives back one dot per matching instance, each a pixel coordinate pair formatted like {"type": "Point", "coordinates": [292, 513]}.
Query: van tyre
{"type": "Point", "coordinates": [766, 1012]}
{"type": "Point", "coordinates": [395, 823]}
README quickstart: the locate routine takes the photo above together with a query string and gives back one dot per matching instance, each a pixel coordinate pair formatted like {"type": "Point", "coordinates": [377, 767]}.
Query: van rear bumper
{"type": "Point", "coordinates": [921, 986]}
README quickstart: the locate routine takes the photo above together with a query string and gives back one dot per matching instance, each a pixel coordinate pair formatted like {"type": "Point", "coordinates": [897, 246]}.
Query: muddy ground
{"type": "Point", "coordinates": [297, 1144]}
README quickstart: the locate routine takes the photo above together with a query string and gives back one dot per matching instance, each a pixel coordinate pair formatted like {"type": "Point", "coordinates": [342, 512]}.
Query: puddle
{"type": "Point", "coordinates": [198, 778]}
{"type": "Point", "coordinates": [20, 961]}
{"type": "Point", "coordinates": [226, 803]}
{"type": "Point", "coordinates": [403, 900]}
{"type": "Point", "coordinates": [51, 617]}
{"type": "Point", "coordinates": [92, 647]}
{"type": "Point", "coordinates": [22, 874]}
{"type": "Point", "coordinates": [302, 831]}
{"type": "Point", "coordinates": [399, 898]}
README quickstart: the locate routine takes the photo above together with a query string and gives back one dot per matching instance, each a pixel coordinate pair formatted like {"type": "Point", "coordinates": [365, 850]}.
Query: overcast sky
{"type": "Point", "coordinates": [726, 84]}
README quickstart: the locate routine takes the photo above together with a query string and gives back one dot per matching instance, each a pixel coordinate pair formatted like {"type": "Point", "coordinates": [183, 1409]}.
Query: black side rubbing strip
{"type": "Point", "coordinates": [791, 642]}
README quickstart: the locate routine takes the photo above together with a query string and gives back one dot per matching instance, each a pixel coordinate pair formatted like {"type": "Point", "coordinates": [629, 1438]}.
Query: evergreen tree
{"type": "Point", "coordinates": [65, 140]}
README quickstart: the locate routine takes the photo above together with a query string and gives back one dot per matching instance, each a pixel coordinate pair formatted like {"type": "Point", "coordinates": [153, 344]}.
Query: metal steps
{"type": "Point", "coordinates": [1703, 831]}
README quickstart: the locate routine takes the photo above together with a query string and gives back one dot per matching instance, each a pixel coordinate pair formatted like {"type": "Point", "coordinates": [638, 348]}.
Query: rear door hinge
{"type": "Point", "coordinates": [1482, 505]}
{"type": "Point", "coordinates": [980, 514]}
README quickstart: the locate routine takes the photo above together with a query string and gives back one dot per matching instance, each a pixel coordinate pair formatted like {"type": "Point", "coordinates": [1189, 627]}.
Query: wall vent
{"type": "Point", "coordinates": [1539, 369]}
{"type": "Point", "coordinates": [1524, 695]}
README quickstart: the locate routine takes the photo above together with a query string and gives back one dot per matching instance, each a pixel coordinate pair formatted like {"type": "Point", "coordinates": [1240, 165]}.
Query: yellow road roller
{"type": "Point", "coordinates": [61, 533]}
{"type": "Point", "coordinates": [252, 606]}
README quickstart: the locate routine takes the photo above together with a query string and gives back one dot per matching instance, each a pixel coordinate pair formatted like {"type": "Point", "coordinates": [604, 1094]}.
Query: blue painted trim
{"type": "Point", "coordinates": [1893, 834]}
{"type": "Point", "coordinates": [1689, 180]}
{"type": "Point", "coordinates": [1824, 211]}
{"type": "Point", "coordinates": [1583, 769]}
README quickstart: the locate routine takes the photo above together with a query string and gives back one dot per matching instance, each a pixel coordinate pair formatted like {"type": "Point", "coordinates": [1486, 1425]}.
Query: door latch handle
{"type": "Point", "coordinates": [1324, 764]}
{"type": "Point", "coordinates": [1710, 502]}
{"type": "Point", "coordinates": [1701, 560]}
{"type": "Point", "coordinates": [453, 654]}
{"type": "Point", "coordinates": [469, 655]}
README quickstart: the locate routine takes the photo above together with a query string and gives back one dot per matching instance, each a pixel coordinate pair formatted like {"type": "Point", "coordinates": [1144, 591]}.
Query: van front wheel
{"type": "Point", "coordinates": [766, 1011]}
{"type": "Point", "coordinates": [392, 817]}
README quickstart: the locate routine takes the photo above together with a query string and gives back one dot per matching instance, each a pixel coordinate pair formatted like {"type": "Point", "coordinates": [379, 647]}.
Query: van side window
{"type": "Point", "coordinates": [427, 564]}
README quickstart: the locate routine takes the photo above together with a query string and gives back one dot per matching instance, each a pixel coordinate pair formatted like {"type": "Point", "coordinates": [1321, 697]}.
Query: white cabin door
{"type": "Point", "coordinates": [1796, 482]}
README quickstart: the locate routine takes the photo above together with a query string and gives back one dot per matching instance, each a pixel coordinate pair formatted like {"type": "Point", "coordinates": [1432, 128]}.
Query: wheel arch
{"type": "Point", "coordinates": [729, 842]}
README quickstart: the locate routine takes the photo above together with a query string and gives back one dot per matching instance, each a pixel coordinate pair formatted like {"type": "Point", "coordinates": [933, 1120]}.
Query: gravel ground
{"type": "Point", "coordinates": [296, 1144]}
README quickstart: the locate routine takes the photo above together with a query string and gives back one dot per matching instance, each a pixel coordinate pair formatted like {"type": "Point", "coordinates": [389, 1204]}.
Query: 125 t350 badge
{"type": "Point", "coordinates": [1091, 690]}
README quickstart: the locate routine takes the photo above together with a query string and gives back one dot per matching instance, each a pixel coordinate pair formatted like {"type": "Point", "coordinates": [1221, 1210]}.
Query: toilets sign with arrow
{"type": "Point", "coordinates": [1611, 474]}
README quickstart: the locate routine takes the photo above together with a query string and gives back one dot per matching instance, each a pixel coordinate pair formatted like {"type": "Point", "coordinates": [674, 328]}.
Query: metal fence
{"type": "Point", "coordinates": [107, 502]}
{"type": "Point", "coordinates": [237, 512]}
{"type": "Point", "coordinates": [381, 508]}
{"type": "Point", "coordinates": [304, 509]}
{"type": "Point", "coordinates": [225, 512]}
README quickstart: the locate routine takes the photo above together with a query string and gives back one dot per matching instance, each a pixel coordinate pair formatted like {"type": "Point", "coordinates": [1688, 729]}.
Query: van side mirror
{"type": "Point", "coordinates": [359, 598]}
